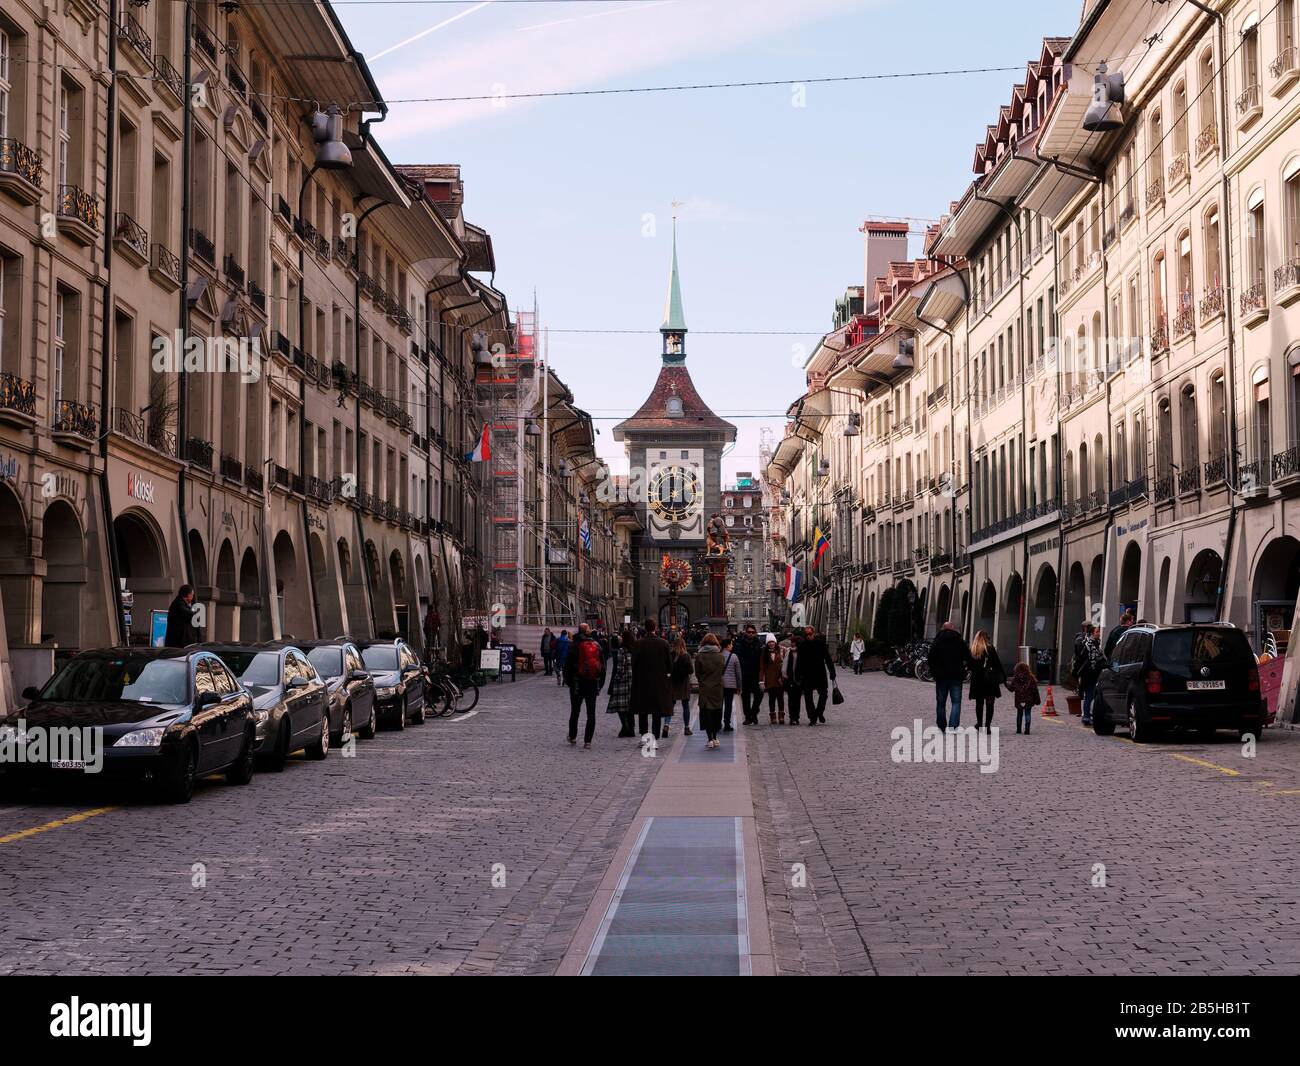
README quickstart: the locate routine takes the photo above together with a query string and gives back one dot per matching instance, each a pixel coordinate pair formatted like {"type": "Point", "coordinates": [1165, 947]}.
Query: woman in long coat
{"type": "Point", "coordinates": [709, 667]}
{"type": "Point", "coordinates": [620, 684]}
{"type": "Point", "coordinates": [682, 671]}
{"type": "Point", "coordinates": [987, 676]}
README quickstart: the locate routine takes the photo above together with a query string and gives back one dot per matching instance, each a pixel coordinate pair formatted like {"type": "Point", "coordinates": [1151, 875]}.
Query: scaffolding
{"type": "Point", "coordinates": [507, 391]}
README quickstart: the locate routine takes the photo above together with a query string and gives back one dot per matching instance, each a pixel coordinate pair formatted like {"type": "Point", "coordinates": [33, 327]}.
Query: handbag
{"type": "Point", "coordinates": [837, 697]}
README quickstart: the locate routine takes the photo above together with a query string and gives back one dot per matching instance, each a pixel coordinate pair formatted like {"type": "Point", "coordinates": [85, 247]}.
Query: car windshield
{"type": "Point", "coordinates": [380, 657]}
{"type": "Point", "coordinates": [328, 661]}
{"type": "Point", "coordinates": [134, 678]}
{"type": "Point", "coordinates": [254, 667]}
{"type": "Point", "coordinates": [1174, 649]}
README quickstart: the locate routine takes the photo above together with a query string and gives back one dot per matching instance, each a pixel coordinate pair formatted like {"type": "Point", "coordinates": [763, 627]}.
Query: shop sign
{"type": "Point", "coordinates": [139, 488]}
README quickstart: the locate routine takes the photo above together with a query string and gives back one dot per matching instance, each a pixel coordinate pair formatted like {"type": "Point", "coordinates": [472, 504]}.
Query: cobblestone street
{"type": "Point", "coordinates": [384, 863]}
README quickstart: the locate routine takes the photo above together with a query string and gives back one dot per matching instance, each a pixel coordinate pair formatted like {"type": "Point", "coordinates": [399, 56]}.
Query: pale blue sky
{"type": "Point", "coordinates": [774, 193]}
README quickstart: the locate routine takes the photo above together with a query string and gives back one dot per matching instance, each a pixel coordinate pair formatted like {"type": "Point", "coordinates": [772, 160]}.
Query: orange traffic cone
{"type": "Point", "coordinates": [1049, 708]}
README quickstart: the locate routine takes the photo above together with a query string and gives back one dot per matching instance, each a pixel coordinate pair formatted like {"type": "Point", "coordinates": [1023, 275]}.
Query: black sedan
{"type": "Point", "coordinates": [160, 715]}
{"type": "Point", "coordinates": [399, 681]}
{"type": "Point", "coordinates": [351, 691]}
{"type": "Point", "coordinates": [289, 699]}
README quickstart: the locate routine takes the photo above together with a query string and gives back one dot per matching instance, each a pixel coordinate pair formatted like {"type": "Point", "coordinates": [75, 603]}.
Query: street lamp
{"type": "Point", "coordinates": [1105, 113]}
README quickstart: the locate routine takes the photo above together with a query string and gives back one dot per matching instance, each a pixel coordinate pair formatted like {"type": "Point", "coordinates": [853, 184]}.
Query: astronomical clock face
{"type": "Point", "coordinates": [675, 493]}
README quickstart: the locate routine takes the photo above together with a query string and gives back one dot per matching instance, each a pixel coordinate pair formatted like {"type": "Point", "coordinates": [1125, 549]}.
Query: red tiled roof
{"type": "Point", "coordinates": [653, 414]}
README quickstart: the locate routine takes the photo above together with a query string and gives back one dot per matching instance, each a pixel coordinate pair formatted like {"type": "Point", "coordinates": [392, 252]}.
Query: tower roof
{"type": "Point", "coordinates": [655, 415]}
{"type": "Point", "coordinates": [674, 316]}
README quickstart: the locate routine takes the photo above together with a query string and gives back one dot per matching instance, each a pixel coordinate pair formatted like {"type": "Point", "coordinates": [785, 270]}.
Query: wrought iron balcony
{"type": "Point", "coordinates": [169, 77]}
{"type": "Point", "coordinates": [1212, 303]}
{"type": "Point", "coordinates": [80, 208]}
{"type": "Point", "coordinates": [280, 476]}
{"type": "Point", "coordinates": [281, 346]}
{"type": "Point", "coordinates": [162, 439]}
{"type": "Point", "coordinates": [130, 31]}
{"type": "Point", "coordinates": [1286, 464]}
{"type": "Point", "coordinates": [1255, 475]}
{"type": "Point", "coordinates": [1254, 301]}
{"type": "Point", "coordinates": [203, 38]}
{"type": "Point", "coordinates": [1207, 141]}
{"type": "Point", "coordinates": [256, 296]}
{"type": "Point", "coordinates": [253, 478]}
{"type": "Point", "coordinates": [235, 79]}
{"type": "Point", "coordinates": [1248, 105]}
{"type": "Point", "coordinates": [203, 246]}
{"type": "Point", "coordinates": [1185, 319]}
{"type": "Point", "coordinates": [231, 467]}
{"type": "Point", "coordinates": [17, 395]}
{"type": "Point", "coordinates": [1155, 194]}
{"type": "Point", "coordinates": [282, 209]}
{"type": "Point", "coordinates": [1179, 169]}
{"type": "Point", "coordinates": [344, 254]}
{"type": "Point", "coordinates": [21, 169]}
{"type": "Point", "coordinates": [404, 322]}
{"type": "Point", "coordinates": [1128, 213]}
{"type": "Point", "coordinates": [131, 236]}
{"type": "Point", "coordinates": [231, 268]}
{"type": "Point", "coordinates": [1164, 489]}
{"type": "Point", "coordinates": [296, 484]}
{"type": "Point", "coordinates": [259, 115]}
{"type": "Point", "coordinates": [1216, 470]}
{"type": "Point", "coordinates": [1285, 66]}
{"type": "Point", "coordinates": [76, 418]}
{"type": "Point", "coordinates": [1189, 480]}
{"type": "Point", "coordinates": [1287, 276]}
{"type": "Point", "coordinates": [127, 424]}
{"type": "Point", "coordinates": [1159, 337]}
{"type": "Point", "coordinates": [199, 452]}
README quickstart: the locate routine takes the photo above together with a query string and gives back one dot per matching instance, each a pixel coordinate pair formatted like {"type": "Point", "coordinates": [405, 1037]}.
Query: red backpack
{"type": "Point", "coordinates": [589, 662]}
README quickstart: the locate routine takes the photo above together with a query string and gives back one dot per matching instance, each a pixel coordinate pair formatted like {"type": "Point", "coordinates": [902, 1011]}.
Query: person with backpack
{"type": "Point", "coordinates": [731, 681]}
{"type": "Point", "coordinates": [584, 673]}
{"type": "Point", "coordinates": [682, 672]}
{"type": "Point", "coordinates": [987, 676]}
{"type": "Point", "coordinates": [1024, 693]}
{"type": "Point", "coordinates": [1089, 661]}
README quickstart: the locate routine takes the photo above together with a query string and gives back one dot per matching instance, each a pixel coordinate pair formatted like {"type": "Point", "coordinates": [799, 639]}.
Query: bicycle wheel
{"type": "Point", "coordinates": [468, 696]}
{"type": "Point", "coordinates": [450, 696]}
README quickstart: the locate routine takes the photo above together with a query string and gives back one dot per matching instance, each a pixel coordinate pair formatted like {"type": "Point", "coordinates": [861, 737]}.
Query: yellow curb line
{"type": "Point", "coordinates": [81, 816]}
{"type": "Point", "coordinates": [1054, 721]}
{"type": "Point", "coordinates": [1207, 765]}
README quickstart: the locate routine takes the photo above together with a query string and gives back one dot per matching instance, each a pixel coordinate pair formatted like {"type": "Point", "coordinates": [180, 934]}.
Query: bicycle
{"type": "Point", "coordinates": [459, 689]}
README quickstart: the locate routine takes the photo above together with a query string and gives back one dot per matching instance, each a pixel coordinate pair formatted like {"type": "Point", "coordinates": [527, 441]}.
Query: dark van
{"type": "Point", "coordinates": [1199, 676]}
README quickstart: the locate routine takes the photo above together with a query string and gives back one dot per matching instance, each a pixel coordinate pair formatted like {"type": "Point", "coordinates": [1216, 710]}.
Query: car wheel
{"type": "Point", "coordinates": [345, 730]}
{"type": "Point", "coordinates": [320, 747]}
{"type": "Point", "coordinates": [367, 731]}
{"type": "Point", "coordinates": [178, 784]}
{"type": "Point", "coordinates": [418, 717]}
{"type": "Point", "coordinates": [1102, 723]}
{"type": "Point", "coordinates": [242, 772]}
{"type": "Point", "coordinates": [280, 753]}
{"type": "Point", "coordinates": [1138, 731]}
{"type": "Point", "coordinates": [399, 719]}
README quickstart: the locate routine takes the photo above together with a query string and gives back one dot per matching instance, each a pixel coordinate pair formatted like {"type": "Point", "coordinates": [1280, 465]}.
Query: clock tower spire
{"type": "Point", "coordinates": [674, 325]}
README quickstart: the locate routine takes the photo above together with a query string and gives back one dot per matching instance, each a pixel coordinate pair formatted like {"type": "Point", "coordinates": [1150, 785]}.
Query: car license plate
{"type": "Point", "coordinates": [1204, 686]}
{"type": "Point", "coordinates": [68, 764]}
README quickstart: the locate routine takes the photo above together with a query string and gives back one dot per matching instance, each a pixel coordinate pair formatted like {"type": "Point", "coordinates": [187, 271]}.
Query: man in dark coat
{"type": "Point", "coordinates": [1125, 621]}
{"type": "Point", "coordinates": [548, 645]}
{"type": "Point", "coordinates": [750, 653]}
{"type": "Point", "coordinates": [583, 690]}
{"type": "Point", "coordinates": [652, 693]}
{"type": "Point", "coordinates": [790, 671]}
{"type": "Point", "coordinates": [949, 656]}
{"type": "Point", "coordinates": [181, 631]}
{"type": "Point", "coordinates": [812, 668]}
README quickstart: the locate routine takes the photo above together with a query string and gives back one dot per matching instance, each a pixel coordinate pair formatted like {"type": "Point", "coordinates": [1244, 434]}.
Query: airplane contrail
{"type": "Point", "coordinates": [595, 15]}
{"type": "Point", "coordinates": [432, 29]}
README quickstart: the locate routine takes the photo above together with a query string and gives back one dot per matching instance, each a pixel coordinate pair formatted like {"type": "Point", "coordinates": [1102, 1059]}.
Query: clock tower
{"type": "Point", "coordinates": [674, 445]}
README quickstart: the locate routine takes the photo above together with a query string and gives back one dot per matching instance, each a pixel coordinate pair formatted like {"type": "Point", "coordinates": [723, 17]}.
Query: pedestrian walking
{"type": "Point", "coordinates": [987, 676]}
{"type": "Point", "coordinates": [793, 693]}
{"type": "Point", "coordinates": [709, 668]}
{"type": "Point", "coordinates": [584, 673]}
{"type": "Point", "coordinates": [1089, 661]}
{"type": "Point", "coordinates": [949, 656]}
{"type": "Point", "coordinates": [1024, 692]}
{"type": "Point", "coordinates": [181, 631]}
{"type": "Point", "coordinates": [731, 681]}
{"type": "Point", "coordinates": [561, 648]}
{"type": "Point", "coordinates": [547, 649]}
{"type": "Point", "coordinates": [652, 693]}
{"type": "Point", "coordinates": [749, 651]}
{"type": "Point", "coordinates": [813, 669]}
{"type": "Point", "coordinates": [770, 673]}
{"type": "Point", "coordinates": [620, 684]}
{"type": "Point", "coordinates": [682, 672]}
{"type": "Point", "coordinates": [857, 650]}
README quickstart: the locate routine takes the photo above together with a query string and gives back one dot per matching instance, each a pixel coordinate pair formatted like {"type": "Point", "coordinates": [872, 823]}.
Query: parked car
{"type": "Point", "coordinates": [289, 699]}
{"type": "Point", "coordinates": [399, 681]}
{"type": "Point", "coordinates": [168, 716]}
{"type": "Point", "coordinates": [351, 689]}
{"type": "Point", "coordinates": [1199, 676]}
